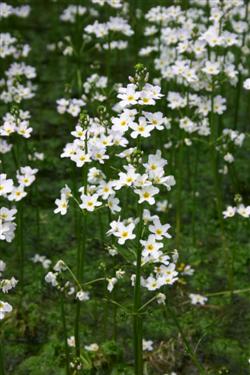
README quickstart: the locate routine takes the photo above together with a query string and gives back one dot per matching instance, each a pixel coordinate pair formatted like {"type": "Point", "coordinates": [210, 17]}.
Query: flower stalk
{"type": "Point", "coordinates": [137, 320]}
{"type": "Point", "coordinates": [65, 336]}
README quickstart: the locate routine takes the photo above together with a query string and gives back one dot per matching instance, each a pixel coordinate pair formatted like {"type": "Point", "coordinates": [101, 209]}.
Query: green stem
{"type": "Point", "coordinates": [193, 194]}
{"type": "Point", "coordinates": [2, 371]}
{"type": "Point", "coordinates": [20, 245]}
{"type": "Point", "coordinates": [73, 276]}
{"type": "Point", "coordinates": [137, 320]}
{"type": "Point", "coordinates": [237, 291]}
{"type": "Point", "coordinates": [114, 320]}
{"type": "Point", "coordinates": [147, 303]}
{"type": "Point", "coordinates": [189, 349]}
{"type": "Point", "coordinates": [37, 214]}
{"type": "Point", "coordinates": [80, 268]}
{"type": "Point", "coordinates": [179, 168]}
{"type": "Point", "coordinates": [65, 336]}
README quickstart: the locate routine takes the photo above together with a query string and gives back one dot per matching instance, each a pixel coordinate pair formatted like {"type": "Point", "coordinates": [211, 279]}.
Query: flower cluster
{"type": "Point", "coordinates": [7, 10]}
{"type": "Point", "coordinates": [7, 224]}
{"type": "Point", "coordinates": [9, 46]}
{"type": "Point", "coordinates": [18, 122]}
{"type": "Point", "coordinates": [72, 12]}
{"type": "Point", "coordinates": [5, 286]}
{"type": "Point", "coordinates": [15, 86]}
{"type": "Point", "coordinates": [194, 52]}
{"type": "Point", "coordinates": [71, 106]}
{"type": "Point", "coordinates": [14, 193]}
{"type": "Point", "coordinates": [241, 209]}
{"type": "Point", "coordinates": [57, 280]}
{"type": "Point", "coordinates": [145, 177]}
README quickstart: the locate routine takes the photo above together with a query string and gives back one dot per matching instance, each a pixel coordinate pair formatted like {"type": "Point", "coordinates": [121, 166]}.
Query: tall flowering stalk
{"type": "Point", "coordinates": [97, 191]}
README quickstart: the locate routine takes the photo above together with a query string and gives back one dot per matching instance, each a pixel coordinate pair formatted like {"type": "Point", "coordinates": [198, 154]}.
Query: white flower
{"type": "Point", "coordinates": [142, 129]}
{"type": "Point", "coordinates": [71, 341]}
{"type": "Point", "coordinates": [82, 296]}
{"type": "Point", "coordinates": [128, 95]}
{"type": "Point", "coordinates": [197, 299]}
{"type": "Point", "coordinates": [128, 178]}
{"type": "Point", "coordinates": [89, 202]}
{"type": "Point", "coordinates": [188, 270]}
{"type": "Point", "coordinates": [62, 206]}
{"type": "Point", "coordinates": [113, 204]}
{"type": "Point", "coordinates": [229, 212]}
{"type": "Point", "coordinates": [159, 230]}
{"type": "Point", "coordinates": [59, 266]}
{"type": "Point", "coordinates": [2, 267]}
{"type": "Point", "coordinates": [41, 259]}
{"type": "Point", "coordinates": [147, 345]}
{"type": "Point", "coordinates": [17, 194]}
{"type": "Point", "coordinates": [7, 215]}
{"type": "Point", "coordinates": [119, 274]}
{"type": "Point", "coordinates": [105, 189]}
{"type": "Point", "coordinates": [147, 217]}
{"type": "Point", "coordinates": [5, 308]}
{"type": "Point", "coordinates": [152, 283]}
{"type": "Point", "coordinates": [111, 284]}
{"type": "Point", "coordinates": [123, 122]}
{"type": "Point", "coordinates": [147, 193]}
{"type": "Point", "coordinates": [6, 185]}
{"type": "Point", "coordinates": [161, 298]}
{"type": "Point", "coordinates": [50, 278]}
{"type": "Point", "coordinates": [243, 211]}
{"type": "Point", "coordinates": [122, 231]}
{"type": "Point", "coordinates": [150, 246]}
{"type": "Point", "coordinates": [219, 104]}
{"type": "Point", "coordinates": [80, 158]}
{"type": "Point", "coordinates": [167, 274]}
{"type": "Point", "coordinates": [211, 68]}
{"type": "Point", "coordinates": [162, 206]}
{"type": "Point", "coordinates": [7, 284]}
{"type": "Point", "coordinates": [92, 347]}
{"type": "Point", "coordinates": [229, 158]}
{"type": "Point", "coordinates": [155, 164]}
{"type": "Point", "coordinates": [156, 120]}
{"type": "Point", "coordinates": [246, 84]}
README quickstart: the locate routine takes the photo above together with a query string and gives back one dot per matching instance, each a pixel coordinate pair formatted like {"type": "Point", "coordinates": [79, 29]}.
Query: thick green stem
{"type": "Point", "coordinates": [65, 336]}
{"type": "Point", "coordinates": [80, 267]}
{"type": "Point", "coordinates": [137, 320]}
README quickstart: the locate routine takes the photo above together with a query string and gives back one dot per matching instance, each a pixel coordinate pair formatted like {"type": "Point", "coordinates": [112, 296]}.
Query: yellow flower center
{"type": "Point", "coordinates": [150, 247]}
